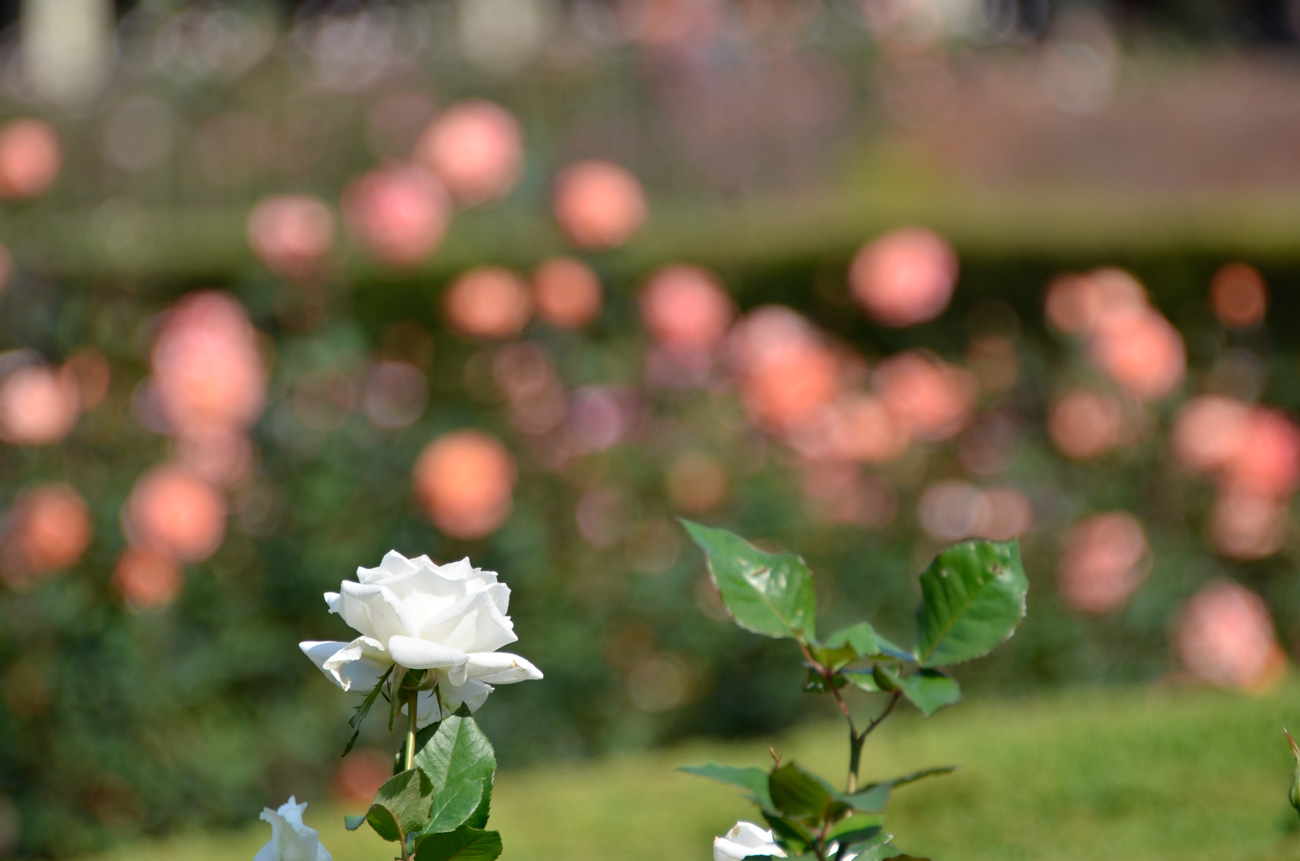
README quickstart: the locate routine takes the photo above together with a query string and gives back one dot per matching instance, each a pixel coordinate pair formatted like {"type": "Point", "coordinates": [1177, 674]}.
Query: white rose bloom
{"type": "Point", "coordinates": [290, 839]}
{"type": "Point", "coordinates": [450, 619]}
{"type": "Point", "coordinates": [743, 840]}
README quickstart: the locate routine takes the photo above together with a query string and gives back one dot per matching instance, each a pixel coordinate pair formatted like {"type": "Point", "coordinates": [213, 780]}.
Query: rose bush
{"type": "Point", "coordinates": [291, 840]}
{"type": "Point", "coordinates": [447, 619]}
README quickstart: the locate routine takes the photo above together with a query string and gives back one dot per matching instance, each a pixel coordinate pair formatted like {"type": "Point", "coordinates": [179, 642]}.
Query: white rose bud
{"type": "Point", "coordinates": [743, 840]}
{"type": "Point", "coordinates": [290, 839]}
{"type": "Point", "coordinates": [448, 619]}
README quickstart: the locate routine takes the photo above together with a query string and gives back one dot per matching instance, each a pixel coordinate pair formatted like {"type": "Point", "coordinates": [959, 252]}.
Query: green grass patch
{"type": "Point", "coordinates": [1157, 774]}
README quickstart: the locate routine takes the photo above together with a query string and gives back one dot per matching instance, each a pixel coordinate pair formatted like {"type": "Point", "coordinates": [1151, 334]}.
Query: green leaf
{"type": "Point", "coordinates": [360, 712]}
{"type": "Point", "coordinates": [352, 823]}
{"type": "Point", "coordinates": [973, 597]}
{"type": "Point", "coordinates": [421, 739]}
{"type": "Point", "coordinates": [754, 780]}
{"type": "Point", "coordinates": [873, 798]}
{"type": "Point", "coordinates": [928, 690]}
{"type": "Point", "coordinates": [463, 844]}
{"type": "Point", "coordinates": [457, 751]}
{"type": "Point", "coordinates": [789, 833]}
{"type": "Point", "coordinates": [816, 683]}
{"type": "Point", "coordinates": [803, 795]}
{"type": "Point", "coordinates": [888, 785]}
{"type": "Point", "coordinates": [844, 647]}
{"type": "Point", "coordinates": [863, 680]}
{"type": "Point", "coordinates": [856, 830]}
{"type": "Point", "coordinates": [401, 806]}
{"type": "Point", "coordinates": [769, 594]}
{"type": "Point", "coordinates": [453, 806]}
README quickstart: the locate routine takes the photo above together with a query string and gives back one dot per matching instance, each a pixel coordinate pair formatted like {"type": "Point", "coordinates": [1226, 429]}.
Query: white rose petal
{"type": "Point", "coordinates": [449, 620]}
{"type": "Point", "coordinates": [743, 840]}
{"type": "Point", "coordinates": [358, 664]}
{"type": "Point", "coordinates": [291, 840]}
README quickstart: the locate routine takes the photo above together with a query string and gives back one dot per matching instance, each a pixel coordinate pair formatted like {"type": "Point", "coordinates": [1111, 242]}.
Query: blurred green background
{"type": "Point", "coordinates": [962, 268]}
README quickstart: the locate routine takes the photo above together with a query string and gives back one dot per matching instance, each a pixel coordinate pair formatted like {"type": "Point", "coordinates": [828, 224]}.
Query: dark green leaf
{"type": "Point", "coordinates": [844, 647]}
{"type": "Point", "coordinates": [479, 818]}
{"type": "Point", "coordinates": [857, 830]}
{"type": "Point", "coordinates": [421, 739]}
{"type": "Point", "coordinates": [769, 594]}
{"type": "Point", "coordinates": [873, 798]}
{"type": "Point", "coordinates": [789, 833]}
{"type": "Point", "coordinates": [863, 680]}
{"type": "Point", "coordinates": [754, 780]}
{"type": "Point", "coordinates": [928, 690]}
{"type": "Point", "coordinates": [973, 597]}
{"type": "Point", "coordinates": [463, 844]}
{"type": "Point", "coordinates": [803, 795]}
{"type": "Point", "coordinates": [401, 805]}
{"type": "Point", "coordinates": [816, 683]}
{"type": "Point", "coordinates": [359, 714]}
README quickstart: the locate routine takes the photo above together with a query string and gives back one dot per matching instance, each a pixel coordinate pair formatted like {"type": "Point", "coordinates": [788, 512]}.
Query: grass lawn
{"type": "Point", "coordinates": [1160, 774]}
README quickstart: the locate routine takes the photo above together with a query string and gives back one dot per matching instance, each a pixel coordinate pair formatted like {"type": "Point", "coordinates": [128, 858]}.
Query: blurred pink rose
{"type": "Point", "coordinates": [1105, 558]}
{"type": "Point", "coordinates": [88, 373]}
{"type": "Point", "coordinates": [398, 213]}
{"type": "Point", "coordinates": [291, 234]}
{"type": "Point", "coordinates": [1267, 463]}
{"type": "Point", "coordinates": [207, 370]}
{"type": "Point", "coordinates": [1225, 636]}
{"type": "Point", "coordinates": [174, 512]}
{"type": "Point", "coordinates": [48, 528]}
{"type": "Point", "coordinates": [933, 399]}
{"type": "Point", "coordinates": [1077, 304]}
{"type": "Point", "coordinates": [686, 307]}
{"type": "Point", "coordinates": [30, 158]}
{"type": "Point", "coordinates": [1141, 351]}
{"type": "Point", "coordinates": [787, 373]}
{"type": "Point", "coordinates": [566, 292]}
{"type": "Point", "coordinates": [37, 406]}
{"type": "Point", "coordinates": [146, 578]}
{"type": "Point", "coordinates": [475, 148]}
{"type": "Point", "coordinates": [488, 302]}
{"type": "Point", "coordinates": [1085, 424]}
{"type": "Point", "coordinates": [904, 277]}
{"type": "Point", "coordinates": [865, 429]}
{"type": "Point", "coordinates": [465, 481]}
{"type": "Point", "coordinates": [1239, 295]}
{"type": "Point", "coordinates": [1247, 526]}
{"type": "Point", "coordinates": [598, 204]}
{"type": "Point", "coordinates": [1209, 431]}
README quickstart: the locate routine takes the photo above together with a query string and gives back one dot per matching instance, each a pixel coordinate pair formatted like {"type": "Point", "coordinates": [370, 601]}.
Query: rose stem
{"type": "Point", "coordinates": [411, 701]}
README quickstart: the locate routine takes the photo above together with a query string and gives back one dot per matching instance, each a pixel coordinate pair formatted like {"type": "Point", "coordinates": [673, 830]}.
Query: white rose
{"type": "Point", "coordinates": [290, 839]}
{"type": "Point", "coordinates": [449, 619]}
{"type": "Point", "coordinates": [743, 840]}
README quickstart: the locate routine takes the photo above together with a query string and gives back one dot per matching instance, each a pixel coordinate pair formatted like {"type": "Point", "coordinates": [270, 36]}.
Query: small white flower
{"type": "Point", "coordinates": [743, 840]}
{"type": "Point", "coordinates": [290, 839]}
{"type": "Point", "coordinates": [449, 619]}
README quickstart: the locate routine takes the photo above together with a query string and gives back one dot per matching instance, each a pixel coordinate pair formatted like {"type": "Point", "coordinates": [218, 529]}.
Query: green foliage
{"type": "Point", "coordinates": [769, 594]}
{"type": "Point", "coordinates": [400, 808]}
{"type": "Point", "coordinates": [973, 598]}
{"type": "Point", "coordinates": [463, 844]}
